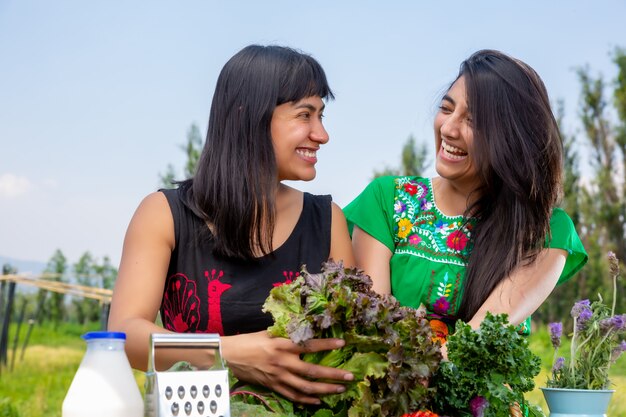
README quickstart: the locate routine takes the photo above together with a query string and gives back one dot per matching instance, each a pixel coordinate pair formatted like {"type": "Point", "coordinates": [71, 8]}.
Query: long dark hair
{"type": "Point", "coordinates": [518, 153]}
{"type": "Point", "coordinates": [234, 187]}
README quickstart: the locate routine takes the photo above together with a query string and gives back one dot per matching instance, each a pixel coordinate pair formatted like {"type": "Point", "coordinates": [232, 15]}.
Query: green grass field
{"type": "Point", "coordinates": [38, 383]}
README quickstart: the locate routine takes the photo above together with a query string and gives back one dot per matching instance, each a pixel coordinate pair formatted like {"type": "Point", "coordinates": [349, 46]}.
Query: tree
{"type": "Point", "coordinates": [192, 149]}
{"type": "Point", "coordinates": [86, 309]}
{"type": "Point", "coordinates": [55, 304]}
{"type": "Point", "coordinates": [106, 273]}
{"type": "Point", "coordinates": [597, 204]}
{"type": "Point", "coordinates": [619, 100]}
{"type": "Point", "coordinates": [605, 202]}
{"type": "Point", "coordinates": [571, 169]}
{"type": "Point", "coordinates": [414, 160]}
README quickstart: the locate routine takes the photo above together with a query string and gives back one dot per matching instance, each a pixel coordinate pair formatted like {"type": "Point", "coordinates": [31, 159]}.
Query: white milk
{"type": "Point", "coordinates": [104, 385]}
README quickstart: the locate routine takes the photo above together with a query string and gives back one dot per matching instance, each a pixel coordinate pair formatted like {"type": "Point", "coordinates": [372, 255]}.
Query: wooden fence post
{"type": "Point", "coordinates": [32, 321]}
{"type": "Point", "coordinates": [3, 286]}
{"type": "Point", "coordinates": [104, 315]}
{"type": "Point", "coordinates": [4, 336]}
{"type": "Point", "coordinates": [17, 331]}
{"type": "Point", "coordinates": [45, 286]}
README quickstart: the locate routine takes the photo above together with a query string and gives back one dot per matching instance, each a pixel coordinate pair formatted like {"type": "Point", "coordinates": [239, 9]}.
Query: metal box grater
{"type": "Point", "coordinates": [197, 393]}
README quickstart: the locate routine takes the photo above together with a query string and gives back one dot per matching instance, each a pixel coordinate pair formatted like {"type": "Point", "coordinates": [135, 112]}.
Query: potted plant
{"type": "Point", "coordinates": [581, 385]}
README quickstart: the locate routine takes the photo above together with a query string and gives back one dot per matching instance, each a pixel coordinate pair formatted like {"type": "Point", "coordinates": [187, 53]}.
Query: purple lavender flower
{"type": "Point", "coordinates": [579, 307]}
{"type": "Point", "coordinates": [619, 322]}
{"type": "Point", "coordinates": [556, 330]}
{"type": "Point", "coordinates": [615, 323]}
{"type": "Point", "coordinates": [558, 364]}
{"type": "Point", "coordinates": [478, 405]}
{"type": "Point", "coordinates": [583, 318]}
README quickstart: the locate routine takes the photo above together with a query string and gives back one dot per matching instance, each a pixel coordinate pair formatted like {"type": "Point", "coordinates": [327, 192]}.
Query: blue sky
{"type": "Point", "coordinates": [96, 96]}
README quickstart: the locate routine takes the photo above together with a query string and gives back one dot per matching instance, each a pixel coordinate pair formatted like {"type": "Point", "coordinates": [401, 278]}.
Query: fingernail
{"type": "Point", "coordinates": [348, 377]}
{"type": "Point", "coordinates": [341, 389]}
{"type": "Point", "coordinates": [341, 343]}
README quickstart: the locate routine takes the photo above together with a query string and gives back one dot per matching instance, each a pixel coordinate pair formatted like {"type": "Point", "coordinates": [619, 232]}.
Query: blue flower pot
{"type": "Point", "coordinates": [564, 402]}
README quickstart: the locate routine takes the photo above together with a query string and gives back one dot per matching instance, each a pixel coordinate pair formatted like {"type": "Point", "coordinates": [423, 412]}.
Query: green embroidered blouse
{"type": "Point", "coordinates": [429, 249]}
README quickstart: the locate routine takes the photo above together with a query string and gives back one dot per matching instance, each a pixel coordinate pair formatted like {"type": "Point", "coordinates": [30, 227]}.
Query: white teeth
{"type": "Point", "coordinates": [452, 151]}
{"type": "Point", "coordinates": [453, 156]}
{"type": "Point", "coordinates": [451, 148]}
{"type": "Point", "coordinates": [306, 153]}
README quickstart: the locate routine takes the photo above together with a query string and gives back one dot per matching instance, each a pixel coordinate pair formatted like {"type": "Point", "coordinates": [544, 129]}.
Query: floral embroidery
{"type": "Point", "coordinates": [410, 188]}
{"type": "Point", "coordinates": [414, 239]}
{"type": "Point", "coordinates": [180, 305]}
{"type": "Point", "coordinates": [404, 228]}
{"type": "Point", "coordinates": [439, 331]}
{"type": "Point", "coordinates": [440, 226]}
{"type": "Point", "coordinates": [399, 206]}
{"type": "Point", "coordinates": [423, 190]}
{"type": "Point", "coordinates": [441, 306]}
{"type": "Point", "coordinates": [421, 230]}
{"type": "Point", "coordinates": [425, 204]}
{"type": "Point", "coordinates": [457, 240]}
{"type": "Point", "coordinates": [416, 189]}
{"type": "Point", "coordinates": [443, 290]}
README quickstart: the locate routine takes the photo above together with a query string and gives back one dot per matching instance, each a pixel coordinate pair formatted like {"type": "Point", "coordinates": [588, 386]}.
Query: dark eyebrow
{"type": "Point", "coordinates": [310, 107]}
{"type": "Point", "coordinates": [448, 98]}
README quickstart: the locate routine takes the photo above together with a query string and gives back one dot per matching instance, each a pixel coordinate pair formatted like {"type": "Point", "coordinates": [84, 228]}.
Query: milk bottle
{"type": "Point", "coordinates": [104, 385]}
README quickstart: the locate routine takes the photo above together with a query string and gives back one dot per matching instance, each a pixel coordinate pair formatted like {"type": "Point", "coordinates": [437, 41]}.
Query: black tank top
{"type": "Point", "coordinates": [208, 294]}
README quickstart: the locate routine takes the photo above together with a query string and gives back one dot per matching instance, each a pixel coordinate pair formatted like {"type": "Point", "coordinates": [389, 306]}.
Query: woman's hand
{"type": "Point", "coordinates": [276, 364]}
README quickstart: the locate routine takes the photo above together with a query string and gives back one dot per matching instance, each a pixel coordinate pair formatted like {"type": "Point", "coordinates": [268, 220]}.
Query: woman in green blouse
{"type": "Point", "coordinates": [485, 235]}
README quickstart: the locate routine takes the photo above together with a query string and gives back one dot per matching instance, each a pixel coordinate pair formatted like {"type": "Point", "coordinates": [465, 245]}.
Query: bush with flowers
{"type": "Point", "coordinates": [597, 341]}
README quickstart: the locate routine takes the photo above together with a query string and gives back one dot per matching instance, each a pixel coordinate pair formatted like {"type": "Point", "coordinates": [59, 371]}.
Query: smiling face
{"type": "Point", "coordinates": [297, 134]}
{"type": "Point", "coordinates": [454, 137]}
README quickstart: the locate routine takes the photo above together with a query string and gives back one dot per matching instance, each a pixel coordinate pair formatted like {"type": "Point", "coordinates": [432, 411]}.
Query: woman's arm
{"type": "Point", "coordinates": [139, 286]}
{"type": "Point", "coordinates": [525, 289]}
{"type": "Point", "coordinates": [254, 357]}
{"type": "Point", "coordinates": [340, 244]}
{"type": "Point", "coordinates": [372, 257]}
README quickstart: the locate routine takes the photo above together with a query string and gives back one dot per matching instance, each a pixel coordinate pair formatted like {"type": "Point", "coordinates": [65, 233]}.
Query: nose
{"type": "Point", "coordinates": [450, 126]}
{"type": "Point", "coordinates": [319, 133]}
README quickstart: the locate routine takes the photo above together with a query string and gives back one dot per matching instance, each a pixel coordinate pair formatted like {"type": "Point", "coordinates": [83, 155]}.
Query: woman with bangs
{"type": "Point", "coordinates": [207, 253]}
{"type": "Point", "coordinates": [486, 234]}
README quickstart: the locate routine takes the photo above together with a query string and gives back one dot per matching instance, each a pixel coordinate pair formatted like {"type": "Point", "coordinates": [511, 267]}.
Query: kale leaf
{"type": "Point", "coordinates": [493, 362]}
{"type": "Point", "coordinates": [389, 348]}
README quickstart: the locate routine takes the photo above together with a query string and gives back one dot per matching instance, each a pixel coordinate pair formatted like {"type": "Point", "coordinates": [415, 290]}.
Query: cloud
{"type": "Point", "coordinates": [13, 186]}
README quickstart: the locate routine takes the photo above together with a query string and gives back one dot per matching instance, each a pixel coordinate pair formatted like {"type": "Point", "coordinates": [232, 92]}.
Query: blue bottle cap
{"type": "Point", "coordinates": [104, 335]}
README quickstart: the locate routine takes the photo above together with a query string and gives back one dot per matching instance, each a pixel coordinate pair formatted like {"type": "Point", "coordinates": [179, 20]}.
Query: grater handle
{"type": "Point", "coordinates": [187, 341]}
